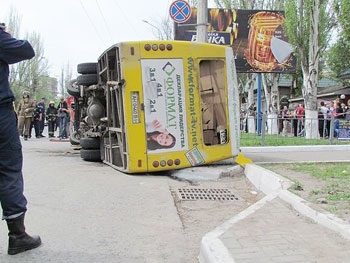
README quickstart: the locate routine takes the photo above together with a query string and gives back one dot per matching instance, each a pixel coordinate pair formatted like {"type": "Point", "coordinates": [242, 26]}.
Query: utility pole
{"type": "Point", "coordinates": [35, 87]}
{"type": "Point", "coordinates": [202, 21]}
{"type": "Point", "coordinates": [62, 83]}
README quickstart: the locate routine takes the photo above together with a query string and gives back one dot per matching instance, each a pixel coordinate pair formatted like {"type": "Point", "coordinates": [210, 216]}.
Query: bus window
{"type": "Point", "coordinates": [213, 102]}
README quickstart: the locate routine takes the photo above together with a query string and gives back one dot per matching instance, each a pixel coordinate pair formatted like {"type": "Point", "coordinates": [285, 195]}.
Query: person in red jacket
{"type": "Point", "coordinates": [13, 201]}
{"type": "Point", "coordinates": [300, 116]}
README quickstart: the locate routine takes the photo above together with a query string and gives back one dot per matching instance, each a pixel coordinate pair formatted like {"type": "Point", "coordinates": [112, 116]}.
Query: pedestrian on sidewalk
{"type": "Point", "coordinates": [13, 201]}
{"type": "Point", "coordinates": [301, 116]}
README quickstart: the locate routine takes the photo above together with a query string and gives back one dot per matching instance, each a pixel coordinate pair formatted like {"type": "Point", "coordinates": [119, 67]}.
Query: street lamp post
{"type": "Point", "coordinates": [160, 35]}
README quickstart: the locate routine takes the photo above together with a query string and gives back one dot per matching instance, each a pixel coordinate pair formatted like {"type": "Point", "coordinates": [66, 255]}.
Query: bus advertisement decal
{"type": "Point", "coordinates": [192, 109]}
{"type": "Point", "coordinates": [195, 157]}
{"type": "Point", "coordinates": [164, 101]}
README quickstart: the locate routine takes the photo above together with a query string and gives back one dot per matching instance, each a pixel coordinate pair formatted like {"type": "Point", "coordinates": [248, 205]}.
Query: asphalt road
{"type": "Point", "coordinates": [89, 212]}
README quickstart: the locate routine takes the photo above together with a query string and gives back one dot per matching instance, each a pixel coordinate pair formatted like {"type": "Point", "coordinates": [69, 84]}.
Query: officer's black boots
{"type": "Point", "coordinates": [19, 240]}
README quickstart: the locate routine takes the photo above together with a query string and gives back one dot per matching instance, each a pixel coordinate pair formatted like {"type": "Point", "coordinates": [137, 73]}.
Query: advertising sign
{"type": "Point", "coordinates": [257, 38]}
{"type": "Point", "coordinates": [344, 130]}
{"type": "Point", "coordinates": [164, 105]}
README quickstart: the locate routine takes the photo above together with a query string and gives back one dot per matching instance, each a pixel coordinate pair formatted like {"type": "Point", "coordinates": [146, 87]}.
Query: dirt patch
{"type": "Point", "coordinates": [327, 189]}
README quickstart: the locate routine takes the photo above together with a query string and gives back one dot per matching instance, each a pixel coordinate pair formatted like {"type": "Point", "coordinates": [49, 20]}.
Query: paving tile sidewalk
{"type": "Point", "coordinates": [281, 228]}
{"type": "Point", "coordinates": [278, 233]}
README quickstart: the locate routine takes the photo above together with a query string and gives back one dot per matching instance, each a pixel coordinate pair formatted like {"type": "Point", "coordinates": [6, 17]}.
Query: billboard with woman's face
{"type": "Point", "coordinates": [164, 97]}
{"type": "Point", "coordinates": [258, 38]}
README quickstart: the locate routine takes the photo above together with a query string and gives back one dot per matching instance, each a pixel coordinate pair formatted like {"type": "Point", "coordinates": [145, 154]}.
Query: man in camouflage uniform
{"type": "Point", "coordinates": [25, 113]}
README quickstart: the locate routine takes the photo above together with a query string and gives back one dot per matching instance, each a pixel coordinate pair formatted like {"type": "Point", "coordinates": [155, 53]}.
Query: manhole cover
{"type": "Point", "coordinates": [211, 194]}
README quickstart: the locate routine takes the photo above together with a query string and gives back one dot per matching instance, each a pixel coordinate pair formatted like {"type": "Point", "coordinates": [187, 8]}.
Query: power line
{"type": "Point", "coordinates": [104, 20]}
{"type": "Point", "coordinates": [125, 16]}
{"type": "Point", "coordinates": [92, 23]}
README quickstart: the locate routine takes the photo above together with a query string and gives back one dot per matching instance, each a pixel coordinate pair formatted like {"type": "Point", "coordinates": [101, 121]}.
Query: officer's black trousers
{"type": "Point", "coordinates": [12, 199]}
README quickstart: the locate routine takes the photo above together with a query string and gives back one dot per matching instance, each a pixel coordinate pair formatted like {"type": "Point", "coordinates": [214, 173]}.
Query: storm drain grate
{"type": "Point", "coordinates": [211, 194]}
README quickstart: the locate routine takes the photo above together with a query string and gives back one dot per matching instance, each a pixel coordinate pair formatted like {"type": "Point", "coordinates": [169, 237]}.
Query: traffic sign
{"type": "Point", "coordinates": [180, 11]}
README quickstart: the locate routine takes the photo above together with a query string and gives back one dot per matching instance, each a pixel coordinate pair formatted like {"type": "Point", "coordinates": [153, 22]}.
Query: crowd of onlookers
{"type": "Point", "coordinates": [290, 119]}
{"type": "Point", "coordinates": [33, 115]}
{"type": "Point", "coordinates": [337, 110]}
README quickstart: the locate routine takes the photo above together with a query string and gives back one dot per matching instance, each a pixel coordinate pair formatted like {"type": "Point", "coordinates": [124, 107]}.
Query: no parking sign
{"type": "Point", "coordinates": [180, 11]}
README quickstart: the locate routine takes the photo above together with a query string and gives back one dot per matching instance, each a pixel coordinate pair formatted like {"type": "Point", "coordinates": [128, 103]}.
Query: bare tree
{"type": "Point", "coordinates": [167, 28]}
{"type": "Point", "coordinates": [28, 75]}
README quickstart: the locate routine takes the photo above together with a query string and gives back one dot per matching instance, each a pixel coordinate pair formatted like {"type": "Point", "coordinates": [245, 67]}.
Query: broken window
{"type": "Point", "coordinates": [213, 101]}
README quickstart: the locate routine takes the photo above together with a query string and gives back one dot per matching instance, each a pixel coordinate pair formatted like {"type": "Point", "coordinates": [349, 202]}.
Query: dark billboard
{"type": "Point", "coordinates": [257, 38]}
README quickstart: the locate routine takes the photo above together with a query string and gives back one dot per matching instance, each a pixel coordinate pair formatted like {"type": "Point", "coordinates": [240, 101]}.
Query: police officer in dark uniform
{"type": "Point", "coordinates": [37, 120]}
{"type": "Point", "coordinates": [51, 116]}
{"type": "Point", "coordinates": [41, 104]}
{"type": "Point", "coordinates": [13, 202]}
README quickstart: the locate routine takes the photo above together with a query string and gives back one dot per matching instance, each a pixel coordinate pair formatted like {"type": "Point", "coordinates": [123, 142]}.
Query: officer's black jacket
{"type": "Point", "coordinates": [11, 51]}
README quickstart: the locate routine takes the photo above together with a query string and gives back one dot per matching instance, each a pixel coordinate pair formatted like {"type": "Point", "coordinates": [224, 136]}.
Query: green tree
{"type": "Point", "coordinates": [308, 27]}
{"type": "Point", "coordinates": [338, 56]}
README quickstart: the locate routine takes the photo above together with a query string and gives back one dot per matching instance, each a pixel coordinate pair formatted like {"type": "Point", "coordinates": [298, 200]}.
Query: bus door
{"type": "Point", "coordinates": [114, 152]}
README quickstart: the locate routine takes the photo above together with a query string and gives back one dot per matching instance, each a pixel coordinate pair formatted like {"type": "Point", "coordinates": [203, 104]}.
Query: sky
{"type": "Point", "coordinates": [78, 31]}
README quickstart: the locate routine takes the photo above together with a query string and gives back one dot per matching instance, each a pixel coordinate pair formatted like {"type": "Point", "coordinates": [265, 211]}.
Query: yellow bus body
{"type": "Point", "coordinates": [175, 84]}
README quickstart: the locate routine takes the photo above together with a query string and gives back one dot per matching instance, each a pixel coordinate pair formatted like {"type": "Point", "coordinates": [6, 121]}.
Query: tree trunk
{"type": "Point", "coordinates": [275, 94]}
{"type": "Point", "coordinates": [311, 74]}
{"type": "Point", "coordinates": [272, 98]}
{"type": "Point", "coordinates": [251, 85]}
{"type": "Point", "coordinates": [267, 92]}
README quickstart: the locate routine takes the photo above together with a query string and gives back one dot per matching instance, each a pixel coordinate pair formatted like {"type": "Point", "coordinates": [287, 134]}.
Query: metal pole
{"type": "Point", "coordinates": [202, 21]}
{"type": "Point", "coordinates": [258, 104]}
{"type": "Point", "coordinates": [62, 83]}
{"type": "Point", "coordinates": [158, 30]}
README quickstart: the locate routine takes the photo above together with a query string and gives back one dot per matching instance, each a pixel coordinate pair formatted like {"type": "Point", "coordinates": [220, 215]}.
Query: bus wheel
{"type": "Point", "coordinates": [74, 138]}
{"type": "Point", "coordinates": [91, 155]}
{"type": "Point", "coordinates": [87, 68]}
{"type": "Point", "coordinates": [73, 89]}
{"type": "Point", "coordinates": [87, 79]}
{"type": "Point", "coordinates": [90, 142]}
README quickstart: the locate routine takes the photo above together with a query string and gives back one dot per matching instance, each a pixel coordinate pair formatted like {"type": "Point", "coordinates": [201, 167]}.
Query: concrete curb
{"type": "Point", "coordinates": [327, 220]}
{"type": "Point", "coordinates": [268, 182]}
{"type": "Point", "coordinates": [212, 250]}
{"type": "Point", "coordinates": [297, 148]}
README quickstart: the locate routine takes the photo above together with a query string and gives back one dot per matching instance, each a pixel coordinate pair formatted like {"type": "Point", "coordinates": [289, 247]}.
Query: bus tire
{"type": "Point", "coordinates": [73, 89]}
{"type": "Point", "coordinates": [87, 79]}
{"type": "Point", "coordinates": [91, 155]}
{"type": "Point", "coordinates": [87, 68]}
{"type": "Point", "coordinates": [74, 138]}
{"type": "Point", "coordinates": [90, 143]}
